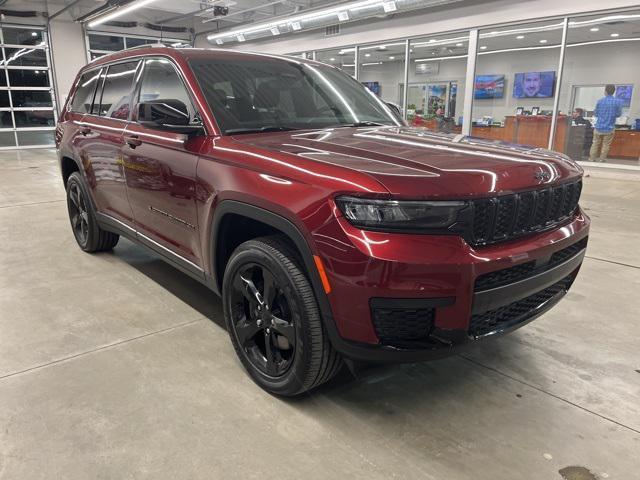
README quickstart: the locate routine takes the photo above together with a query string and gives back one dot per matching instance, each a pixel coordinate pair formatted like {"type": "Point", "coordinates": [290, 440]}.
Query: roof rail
{"type": "Point", "coordinates": [152, 45]}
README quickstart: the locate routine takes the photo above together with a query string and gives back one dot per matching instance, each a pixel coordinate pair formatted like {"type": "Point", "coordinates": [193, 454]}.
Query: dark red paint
{"type": "Point", "coordinates": [297, 175]}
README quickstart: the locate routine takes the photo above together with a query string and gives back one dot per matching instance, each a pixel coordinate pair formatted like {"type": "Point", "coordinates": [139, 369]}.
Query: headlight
{"type": "Point", "coordinates": [399, 214]}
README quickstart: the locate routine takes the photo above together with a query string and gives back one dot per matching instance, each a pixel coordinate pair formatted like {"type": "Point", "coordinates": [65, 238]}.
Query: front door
{"type": "Point", "coordinates": [160, 168]}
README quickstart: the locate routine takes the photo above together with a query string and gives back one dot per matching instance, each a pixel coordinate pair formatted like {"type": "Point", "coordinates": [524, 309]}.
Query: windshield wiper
{"type": "Point", "coordinates": [360, 124]}
{"type": "Point", "coordinates": [268, 128]}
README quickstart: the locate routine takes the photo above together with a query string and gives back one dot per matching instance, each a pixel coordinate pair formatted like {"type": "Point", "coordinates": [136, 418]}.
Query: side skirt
{"type": "Point", "coordinates": [110, 224]}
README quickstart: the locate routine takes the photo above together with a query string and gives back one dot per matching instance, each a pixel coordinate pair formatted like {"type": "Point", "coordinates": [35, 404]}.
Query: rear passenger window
{"type": "Point", "coordinates": [84, 93]}
{"type": "Point", "coordinates": [160, 81]}
{"type": "Point", "coordinates": [116, 93]}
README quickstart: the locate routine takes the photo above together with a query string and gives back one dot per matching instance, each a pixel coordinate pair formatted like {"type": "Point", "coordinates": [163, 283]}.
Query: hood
{"type": "Point", "coordinates": [417, 163]}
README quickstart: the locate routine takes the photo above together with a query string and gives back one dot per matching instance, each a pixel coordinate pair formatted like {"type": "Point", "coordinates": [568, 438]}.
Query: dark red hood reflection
{"type": "Point", "coordinates": [415, 162]}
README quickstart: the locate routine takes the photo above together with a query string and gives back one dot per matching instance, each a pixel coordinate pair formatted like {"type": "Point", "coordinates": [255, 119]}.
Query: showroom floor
{"type": "Point", "coordinates": [117, 366]}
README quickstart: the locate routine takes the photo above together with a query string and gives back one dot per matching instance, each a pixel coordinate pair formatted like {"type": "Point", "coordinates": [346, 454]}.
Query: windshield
{"type": "Point", "coordinates": [255, 95]}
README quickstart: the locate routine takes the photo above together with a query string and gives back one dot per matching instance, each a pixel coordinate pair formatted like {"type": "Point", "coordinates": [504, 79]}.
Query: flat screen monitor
{"type": "Point", "coordinates": [489, 86]}
{"type": "Point", "coordinates": [534, 84]}
{"type": "Point", "coordinates": [624, 92]}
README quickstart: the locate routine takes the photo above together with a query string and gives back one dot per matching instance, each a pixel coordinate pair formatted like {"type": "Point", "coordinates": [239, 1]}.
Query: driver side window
{"type": "Point", "coordinates": [160, 83]}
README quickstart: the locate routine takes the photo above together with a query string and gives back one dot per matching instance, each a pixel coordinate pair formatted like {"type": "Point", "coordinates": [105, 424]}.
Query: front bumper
{"type": "Point", "coordinates": [463, 294]}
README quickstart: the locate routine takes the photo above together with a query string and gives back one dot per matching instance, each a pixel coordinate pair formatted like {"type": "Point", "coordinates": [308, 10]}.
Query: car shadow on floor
{"type": "Point", "coordinates": [190, 291]}
{"type": "Point", "coordinates": [433, 376]}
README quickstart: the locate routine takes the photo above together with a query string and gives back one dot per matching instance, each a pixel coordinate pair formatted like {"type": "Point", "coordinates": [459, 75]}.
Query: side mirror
{"type": "Point", "coordinates": [167, 114]}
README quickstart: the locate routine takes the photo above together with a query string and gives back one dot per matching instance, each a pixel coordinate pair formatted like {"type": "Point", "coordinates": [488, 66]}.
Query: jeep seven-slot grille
{"type": "Point", "coordinates": [516, 273]}
{"type": "Point", "coordinates": [510, 216]}
{"type": "Point", "coordinates": [517, 312]}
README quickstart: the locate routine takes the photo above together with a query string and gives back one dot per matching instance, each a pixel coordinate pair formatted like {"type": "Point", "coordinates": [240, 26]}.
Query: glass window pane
{"type": "Point", "coordinates": [28, 78]}
{"type": "Point", "coordinates": [106, 42]}
{"type": "Point", "coordinates": [5, 120]}
{"type": "Point", "coordinates": [34, 98]}
{"type": "Point", "coordinates": [4, 99]}
{"type": "Point", "coordinates": [116, 93]}
{"type": "Point", "coordinates": [7, 139]}
{"type": "Point", "coordinates": [97, 55]}
{"type": "Point", "coordinates": [437, 72]}
{"type": "Point", "coordinates": [593, 123]}
{"type": "Point", "coordinates": [515, 81]}
{"type": "Point", "coordinates": [38, 137]}
{"type": "Point", "coordinates": [36, 118]}
{"type": "Point", "coordinates": [25, 57]}
{"type": "Point", "coordinates": [344, 58]}
{"type": "Point", "coordinates": [3, 78]}
{"type": "Point", "coordinates": [83, 97]}
{"type": "Point", "coordinates": [161, 82]}
{"type": "Point", "coordinates": [381, 70]}
{"type": "Point", "coordinates": [22, 36]}
{"type": "Point", "coordinates": [136, 42]}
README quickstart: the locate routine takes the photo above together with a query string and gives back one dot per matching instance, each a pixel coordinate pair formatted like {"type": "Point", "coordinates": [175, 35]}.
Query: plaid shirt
{"type": "Point", "coordinates": [607, 110]}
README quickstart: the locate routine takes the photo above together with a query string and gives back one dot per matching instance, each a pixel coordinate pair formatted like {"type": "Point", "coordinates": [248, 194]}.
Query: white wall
{"type": "Point", "coordinates": [68, 54]}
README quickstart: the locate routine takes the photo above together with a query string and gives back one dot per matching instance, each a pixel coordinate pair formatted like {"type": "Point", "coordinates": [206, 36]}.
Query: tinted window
{"type": "Point", "coordinates": [84, 94]}
{"type": "Point", "coordinates": [22, 36]}
{"type": "Point", "coordinates": [106, 42]}
{"type": "Point", "coordinates": [29, 57]}
{"type": "Point", "coordinates": [116, 93]}
{"type": "Point", "coordinates": [33, 98]}
{"type": "Point", "coordinates": [28, 78]}
{"type": "Point", "coordinates": [35, 118]}
{"type": "Point", "coordinates": [160, 81]}
{"type": "Point", "coordinates": [248, 95]}
{"type": "Point", "coordinates": [4, 99]}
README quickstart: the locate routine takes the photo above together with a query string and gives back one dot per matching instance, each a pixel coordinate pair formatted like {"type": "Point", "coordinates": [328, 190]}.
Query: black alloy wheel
{"type": "Point", "coordinates": [78, 214]}
{"type": "Point", "coordinates": [273, 318]}
{"type": "Point", "coordinates": [261, 320]}
{"type": "Point", "coordinates": [88, 234]}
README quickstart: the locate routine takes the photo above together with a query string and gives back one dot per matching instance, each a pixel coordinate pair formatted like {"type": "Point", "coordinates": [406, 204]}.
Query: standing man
{"type": "Point", "coordinates": [607, 110]}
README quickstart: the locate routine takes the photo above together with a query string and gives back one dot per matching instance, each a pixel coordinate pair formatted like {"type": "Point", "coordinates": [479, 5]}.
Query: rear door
{"type": "Point", "coordinates": [161, 170]}
{"type": "Point", "coordinates": [103, 129]}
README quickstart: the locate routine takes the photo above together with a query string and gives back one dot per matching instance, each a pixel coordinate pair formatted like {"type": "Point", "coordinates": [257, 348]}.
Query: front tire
{"type": "Point", "coordinates": [88, 234]}
{"type": "Point", "coordinates": [274, 321]}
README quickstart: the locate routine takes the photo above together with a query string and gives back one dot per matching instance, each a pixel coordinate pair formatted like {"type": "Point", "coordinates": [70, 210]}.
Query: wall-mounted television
{"type": "Point", "coordinates": [624, 93]}
{"type": "Point", "coordinates": [534, 84]}
{"type": "Point", "coordinates": [489, 86]}
{"type": "Point", "coordinates": [373, 86]}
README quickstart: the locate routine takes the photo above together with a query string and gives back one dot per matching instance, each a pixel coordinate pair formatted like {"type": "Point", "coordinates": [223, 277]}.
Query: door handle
{"type": "Point", "coordinates": [85, 131]}
{"type": "Point", "coordinates": [133, 141]}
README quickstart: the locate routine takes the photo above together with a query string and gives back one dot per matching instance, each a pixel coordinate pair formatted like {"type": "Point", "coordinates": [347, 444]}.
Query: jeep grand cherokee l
{"type": "Point", "coordinates": [331, 230]}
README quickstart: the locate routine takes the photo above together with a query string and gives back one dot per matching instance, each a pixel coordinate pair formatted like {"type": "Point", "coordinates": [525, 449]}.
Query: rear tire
{"type": "Point", "coordinates": [90, 237]}
{"type": "Point", "coordinates": [274, 321]}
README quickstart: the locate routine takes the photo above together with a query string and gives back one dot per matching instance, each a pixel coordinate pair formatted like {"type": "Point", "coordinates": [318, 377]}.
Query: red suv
{"type": "Point", "coordinates": [331, 230]}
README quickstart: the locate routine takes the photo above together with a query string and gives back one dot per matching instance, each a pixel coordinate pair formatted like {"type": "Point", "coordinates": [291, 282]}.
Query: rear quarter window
{"type": "Point", "coordinates": [83, 98]}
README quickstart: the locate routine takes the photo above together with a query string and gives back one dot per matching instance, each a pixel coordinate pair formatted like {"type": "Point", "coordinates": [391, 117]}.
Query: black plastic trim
{"type": "Point", "coordinates": [500, 296]}
{"type": "Point", "coordinates": [382, 302]}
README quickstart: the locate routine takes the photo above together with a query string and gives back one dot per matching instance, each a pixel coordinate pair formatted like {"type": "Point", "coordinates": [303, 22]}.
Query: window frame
{"type": "Point", "coordinates": [196, 114]}
{"type": "Point", "coordinates": [93, 96]}
{"type": "Point", "coordinates": [103, 79]}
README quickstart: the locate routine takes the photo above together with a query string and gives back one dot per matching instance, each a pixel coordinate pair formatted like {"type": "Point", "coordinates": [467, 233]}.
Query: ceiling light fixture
{"type": "Point", "coordinates": [275, 31]}
{"type": "Point", "coordinates": [343, 16]}
{"type": "Point", "coordinates": [119, 12]}
{"type": "Point", "coordinates": [543, 41]}
{"type": "Point", "coordinates": [296, 26]}
{"type": "Point", "coordinates": [392, 57]}
{"type": "Point", "coordinates": [240, 37]}
{"type": "Point", "coordinates": [615, 35]}
{"type": "Point", "coordinates": [594, 29]}
{"type": "Point", "coordinates": [332, 59]}
{"type": "Point", "coordinates": [519, 37]}
{"type": "Point", "coordinates": [34, 34]}
{"type": "Point", "coordinates": [367, 54]}
{"type": "Point", "coordinates": [459, 44]}
{"type": "Point", "coordinates": [219, 41]}
{"type": "Point", "coordinates": [483, 47]}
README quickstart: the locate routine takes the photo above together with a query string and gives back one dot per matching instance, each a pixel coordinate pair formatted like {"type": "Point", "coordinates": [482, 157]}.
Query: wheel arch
{"type": "Point", "coordinates": [68, 165]}
{"type": "Point", "coordinates": [272, 223]}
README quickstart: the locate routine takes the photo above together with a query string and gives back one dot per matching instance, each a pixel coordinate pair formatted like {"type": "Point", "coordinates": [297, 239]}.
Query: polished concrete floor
{"type": "Point", "coordinates": [116, 366]}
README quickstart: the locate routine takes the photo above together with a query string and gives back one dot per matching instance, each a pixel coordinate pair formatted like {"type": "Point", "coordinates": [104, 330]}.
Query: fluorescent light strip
{"type": "Point", "coordinates": [453, 57]}
{"type": "Point", "coordinates": [119, 12]}
{"type": "Point", "coordinates": [298, 18]}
